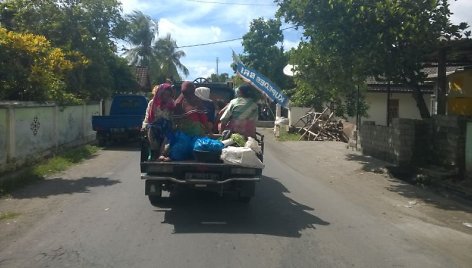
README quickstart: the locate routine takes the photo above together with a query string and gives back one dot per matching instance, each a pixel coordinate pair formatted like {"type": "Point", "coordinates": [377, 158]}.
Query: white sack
{"type": "Point", "coordinates": [241, 156]}
{"type": "Point", "coordinates": [251, 143]}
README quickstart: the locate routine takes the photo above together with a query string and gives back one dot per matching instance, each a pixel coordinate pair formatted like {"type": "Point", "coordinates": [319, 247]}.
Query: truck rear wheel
{"type": "Point", "coordinates": [101, 139]}
{"type": "Point", "coordinates": [154, 192]}
{"type": "Point", "coordinates": [246, 191]}
{"type": "Point", "coordinates": [155, 199]}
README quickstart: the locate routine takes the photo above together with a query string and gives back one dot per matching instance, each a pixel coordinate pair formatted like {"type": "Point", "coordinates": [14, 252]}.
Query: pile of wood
{"type": "Point", "coordinates": [321, 127]}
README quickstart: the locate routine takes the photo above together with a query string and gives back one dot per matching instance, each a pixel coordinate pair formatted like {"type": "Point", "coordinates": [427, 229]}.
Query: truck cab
{"type": "Point", "coordinates": [125, 119]}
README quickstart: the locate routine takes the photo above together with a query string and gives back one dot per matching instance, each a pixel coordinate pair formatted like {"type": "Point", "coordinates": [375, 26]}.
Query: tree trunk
{"type": "Point", "coordinates": [420, 103]}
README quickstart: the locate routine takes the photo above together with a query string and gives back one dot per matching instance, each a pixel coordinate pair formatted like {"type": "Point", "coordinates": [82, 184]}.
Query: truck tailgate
{"type": "Point", "coordinates": [193, 170]}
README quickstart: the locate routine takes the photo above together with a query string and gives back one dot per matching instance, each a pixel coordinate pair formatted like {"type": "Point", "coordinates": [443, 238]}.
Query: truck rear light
{"type": "Point", "coordinates": [243, 171]}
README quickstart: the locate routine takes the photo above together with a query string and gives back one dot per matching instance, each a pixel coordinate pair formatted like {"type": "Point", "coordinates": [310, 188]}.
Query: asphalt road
{"type": "Point", "coordinates": [318, 205]}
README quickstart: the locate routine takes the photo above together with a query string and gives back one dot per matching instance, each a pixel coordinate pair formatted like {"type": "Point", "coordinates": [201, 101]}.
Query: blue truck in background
{"type": "Point", "coordinates": [124, 122]}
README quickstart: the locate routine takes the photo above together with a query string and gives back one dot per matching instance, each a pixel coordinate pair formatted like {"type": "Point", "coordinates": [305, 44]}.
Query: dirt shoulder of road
{"type": "Point", "coordinates": [366, 181]}
{"type": "Point", "coordinates": [26, 206]}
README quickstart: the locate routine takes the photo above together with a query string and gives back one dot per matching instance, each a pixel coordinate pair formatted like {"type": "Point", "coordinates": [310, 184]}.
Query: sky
{"type": "Point", "coordinates": [194, 22]}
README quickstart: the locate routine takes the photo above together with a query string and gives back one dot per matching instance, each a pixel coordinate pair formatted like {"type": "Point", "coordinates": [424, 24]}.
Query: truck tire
{"type": "Point", "coordinates": [154, 192]}
{"type": "Point", "coordinates": [155, 199]}
{"type": "Point", "coordinates": [246, 191]}
{"type": "Point", "coordinates": [101, 139]}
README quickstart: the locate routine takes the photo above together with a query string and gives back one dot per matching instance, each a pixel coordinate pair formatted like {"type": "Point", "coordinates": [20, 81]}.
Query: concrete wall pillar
{"type": "Point", "coordinates": [55, 126]}
{"type": "Point", "coordinates": [11, 141]}
{"type": "Point", "coordinates": [84, 123]}
{"type": "Point", "coordinates": [278, 110]}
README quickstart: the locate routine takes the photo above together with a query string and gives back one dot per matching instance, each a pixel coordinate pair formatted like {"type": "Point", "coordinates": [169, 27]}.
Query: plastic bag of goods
{"type": "Point", "coordinates": [253, 144]}
{"type": "Point", "coordinates": [241, 156]}
{"type": "Point", "coordinates": [208, 145]}
{"type": "Point", "coordinates": [238, 139]}
{"type": "Point", "coordinates": [207, 150]}
{"type": "Point", "coordinates": [181, 147]}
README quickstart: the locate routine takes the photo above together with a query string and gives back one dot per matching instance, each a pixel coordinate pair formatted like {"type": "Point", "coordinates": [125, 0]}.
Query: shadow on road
{"type": "Point", "coordinates": [428, 195]}
{"type": "Point", "coordinates": [369, 164]}
{"type": "Point", "coordinates": [58, 186]}
{"type": "Point", "coordinates": [270, 212]}
{"type": "Point", "coordinates": [402, 181]}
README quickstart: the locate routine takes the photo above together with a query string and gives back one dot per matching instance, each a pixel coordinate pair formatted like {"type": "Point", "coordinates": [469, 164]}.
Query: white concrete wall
{"type": "Point", "coordinates": [377, 108]}
{"type": "Point", "coordinates": [295, 113]}
{"type": "Point", "coordinates": [107, 106]}
{"type": "Point", "coordinates": [29, 131]}
{"type": "Point", "coordinates": [33, 131]}
{"type": "Point", "coordinates": [3, 136]}
{"type": "Point", "coordinates": [406, 105]}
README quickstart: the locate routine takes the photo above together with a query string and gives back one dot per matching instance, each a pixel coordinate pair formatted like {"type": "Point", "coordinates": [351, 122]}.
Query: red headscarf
{"type": "Point", "coordinates": [187, 91]}
{"type": "Point", "coordinates": [158, 102]}
{"type": "Point", "coordinates": [188, 103]}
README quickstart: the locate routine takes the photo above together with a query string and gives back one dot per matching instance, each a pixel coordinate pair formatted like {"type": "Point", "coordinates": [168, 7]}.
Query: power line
{"type": "Point", "coordinates": [225, 41]}
{"type": "Point", "coordinates": [227, 3]}
{"type": "Point", "coordinates": [211, 43]}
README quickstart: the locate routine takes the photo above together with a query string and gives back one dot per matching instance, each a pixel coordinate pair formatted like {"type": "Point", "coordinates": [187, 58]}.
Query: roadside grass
{"type": "Point", "coordinates": [46, 167]}
{"type": "Point", "coordinates": [288, 136]}
{"type": "Point", "coordinates": [8, 215]}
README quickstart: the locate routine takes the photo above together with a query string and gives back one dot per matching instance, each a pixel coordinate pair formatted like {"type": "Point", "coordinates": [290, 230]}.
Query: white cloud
{"type": "Point", "coordinates": [131, 5]}
{"type": "Point", "coordinates": [289, 44]}
{"type": "Point", "coordinates": [200, 69]}
{"type": "Point", "coordinates": [462, 11]}
{"type": "Point", "coordinates": [189, 35]}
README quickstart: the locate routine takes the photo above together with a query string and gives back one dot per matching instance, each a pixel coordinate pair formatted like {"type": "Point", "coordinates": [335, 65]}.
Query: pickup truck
{"type": "Point", "coordinates": [218, 176]}
{"type": "Point", "coordinates": [124, 122]}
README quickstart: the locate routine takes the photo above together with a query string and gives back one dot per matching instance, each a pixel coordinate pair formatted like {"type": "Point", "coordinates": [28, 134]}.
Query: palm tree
{"type": "Point", "coordinates": [168, 57]}
{"type": "Point", "coordinates": [142, 34]}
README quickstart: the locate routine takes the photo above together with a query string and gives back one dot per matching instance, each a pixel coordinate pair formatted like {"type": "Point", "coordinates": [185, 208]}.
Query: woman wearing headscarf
{"type": "Point", "coordinates": [190, 112]}
{"type": "Point", "coordinates": [203, 93]}
{"type": "Point", "coordinates": [158, 119]}
{"type": "Point", "coordinates": [240, 115]}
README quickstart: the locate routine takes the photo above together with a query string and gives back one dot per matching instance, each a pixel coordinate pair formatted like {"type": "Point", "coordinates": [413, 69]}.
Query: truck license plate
{"type": "Point", "coordinates": [200, 176]}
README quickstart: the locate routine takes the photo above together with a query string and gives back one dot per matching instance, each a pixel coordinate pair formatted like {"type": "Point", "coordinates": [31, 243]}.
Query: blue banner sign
{"type": "Point", "coordinates": [262, 83]}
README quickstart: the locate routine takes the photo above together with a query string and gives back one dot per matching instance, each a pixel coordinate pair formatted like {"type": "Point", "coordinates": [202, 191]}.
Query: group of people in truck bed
{"type": "Point", "coordinates": [195, 114]}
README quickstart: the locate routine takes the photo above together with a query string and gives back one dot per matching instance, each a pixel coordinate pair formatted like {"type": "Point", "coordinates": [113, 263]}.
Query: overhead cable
{"type": "Point", "coordinates": [228, 3]}
{"type": "Point", "coordinates": [225, 41]}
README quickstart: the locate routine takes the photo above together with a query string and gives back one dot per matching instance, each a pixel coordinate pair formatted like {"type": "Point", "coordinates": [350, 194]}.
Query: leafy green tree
{"type": "Point", "coordinates": [124, 78]}
{"type": "Point", "coordinates": [160, 55]}
{"type": "Point", "coordinates": [219, 77]}
{"type": "Point", "coordinates": [142, 35]}
{"type": "Point", "coordinates": [86, 26]}
{"type": "Point", "coordinates": [166, 61]}
{"type": "Point", "coordinates": [33, 70]}
{"type": "Point", "coordinates": [348, 41]}
{"type": "Point", "coordinates": [261, 50]}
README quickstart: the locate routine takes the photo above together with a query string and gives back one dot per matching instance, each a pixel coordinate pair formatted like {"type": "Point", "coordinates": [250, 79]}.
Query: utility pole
{"type": "Point", "coordinates": [217, 66]}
